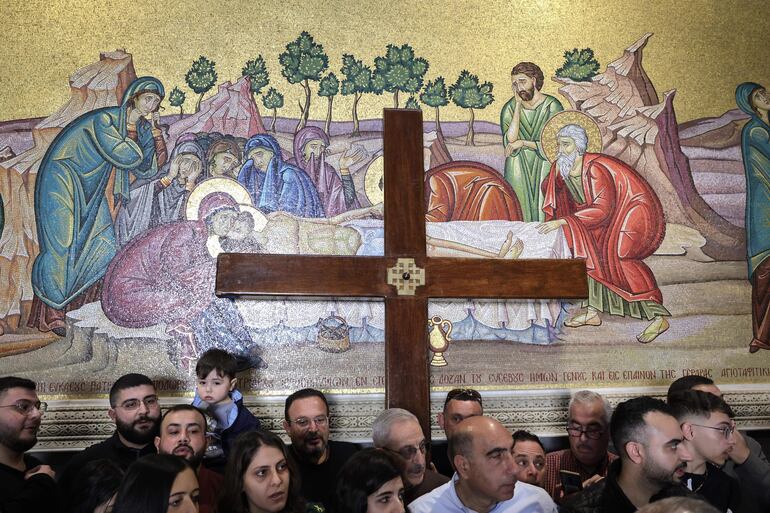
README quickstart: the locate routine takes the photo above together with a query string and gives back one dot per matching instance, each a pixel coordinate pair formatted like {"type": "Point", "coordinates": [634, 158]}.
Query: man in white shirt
{"type": "Point", "coordinates": [485, 481]}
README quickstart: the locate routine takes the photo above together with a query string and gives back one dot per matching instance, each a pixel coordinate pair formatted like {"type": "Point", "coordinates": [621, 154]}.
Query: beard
{"type": "Point", "coordinates": [662, 476]}
{"type": "Point", "coordinates": [565, 162]}
{"type": "Point", "coordinates": [14, 441]}
{"type": "Point", "coordinates": [315, 451]}
{"type": "Point", "coordinates": [192, 457]}
{"type": "Point", "coordinates": [136, 435]}
{"type": "Point", "coordinates": [527, 94]}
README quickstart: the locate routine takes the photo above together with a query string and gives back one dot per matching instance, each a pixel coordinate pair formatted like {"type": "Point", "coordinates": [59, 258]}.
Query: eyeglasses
{"type": "Point", "coordinates": [304, 422]}
{"type": "Point", "coordinates": [592, 433]}
{"type": "Point", "coordinates": [410, 451]}
{"type": "Point", "coordinates": [463, 394]}
{"type": "Point", "coordinates": [133, 404]}
{"type": "Point", "coordinates": [26, 407]}
{"type": "Point", "coordinates": [727, 431]}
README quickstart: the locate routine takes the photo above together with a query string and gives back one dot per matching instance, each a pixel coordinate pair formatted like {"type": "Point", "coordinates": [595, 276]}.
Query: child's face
{"type": "Point", "coordinates": [215, 388]}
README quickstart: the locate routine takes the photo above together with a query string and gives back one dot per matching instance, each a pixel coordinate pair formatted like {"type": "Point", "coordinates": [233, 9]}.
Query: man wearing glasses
{"type": "Point", "coordinates": [399, 431]}
{"type": "Point", "coordinates": [589, 435]}
{"type": "Point", "coordinates": [135, 409]}
{"type": "Point", "coordinates": [709, 435]}
{"type": "Point", "coordinates": [25, 484]}
{"type": "Point", "coordinates": [459, 404]}
{"type": "Point", "coordinates": [319, 460]}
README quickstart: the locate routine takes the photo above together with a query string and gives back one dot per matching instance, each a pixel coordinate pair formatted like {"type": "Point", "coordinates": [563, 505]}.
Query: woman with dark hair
{"type": "Point", "coordinates": [94, 487]}
{"type": "Point", "coordinates": [260, 477]}
{"type": "Point", "coordinates": [158, 483]}
{"type": "Point", "coordinates": [371, 482]}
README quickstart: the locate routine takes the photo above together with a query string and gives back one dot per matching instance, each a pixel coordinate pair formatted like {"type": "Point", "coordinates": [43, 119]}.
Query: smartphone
{"type": "Point", "coordinates": [570, 482]}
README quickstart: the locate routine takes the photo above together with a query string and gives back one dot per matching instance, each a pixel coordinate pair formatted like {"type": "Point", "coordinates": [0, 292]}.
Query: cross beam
{"type": "Point", "coordinates": [406, 316]}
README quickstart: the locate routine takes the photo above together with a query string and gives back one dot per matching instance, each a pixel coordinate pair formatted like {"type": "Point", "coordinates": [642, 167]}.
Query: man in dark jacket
{"type": "Point", "coordinates": [26, 486]}
{"type": "Point", "coordinates": [652, 458]}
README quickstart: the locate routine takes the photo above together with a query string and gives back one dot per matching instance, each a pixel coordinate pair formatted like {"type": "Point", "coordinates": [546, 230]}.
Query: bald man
{"type": "Point", "coordinates": [485, 479]}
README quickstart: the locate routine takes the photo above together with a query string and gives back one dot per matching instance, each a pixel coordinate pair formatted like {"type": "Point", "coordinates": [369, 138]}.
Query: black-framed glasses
{"type": "Point", "coordinates": [591, 432]}
{"type": "Point", "coordinates": [133, 404]}
{"type": "Point", "coordinates": [410, 451]}
{"type": "Point", "coordinates": [727, 431]}
{"type": "Point", "coordinates": [304, 422]}
{"type": "Point", "coordinates": [25, 407]}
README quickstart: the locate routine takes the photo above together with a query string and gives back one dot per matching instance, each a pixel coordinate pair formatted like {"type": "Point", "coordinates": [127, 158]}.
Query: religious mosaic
{"type": "Point", "coordinates": [116, 206]}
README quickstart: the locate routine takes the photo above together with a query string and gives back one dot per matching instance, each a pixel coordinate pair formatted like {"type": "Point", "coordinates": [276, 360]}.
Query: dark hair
{"type": "Point", "coordinates": [127, 381]}
{"type": "Point", "coordinates": [216, 359]}
{"type": "Point", "coordinates": [232, 498]}
{"type": "Point", "coordinates": [463, 394]}
{"type": "Point", "coordinates": [687, 383]}
{"type": "Point", "coordinates": [697, 403]}
{"type": "Point", "coordinates": [303, 394]}
{"type": "Point", "coordinates": [94, 484]}
{"type": "Point", "coordinates": [362, 475]}
{"type": "Point", "coordinates": [9, 382]}
{"type": "Point", "coordinates": [525, 436]}
{"type": "Point", "coordinates": [184, 407]}
{"type": "Point", "coordinates": [532, 70]}
{"type": "Point", "coordinates": [628, 420]}
{"type": "Point", "coordinates": [148, 482]}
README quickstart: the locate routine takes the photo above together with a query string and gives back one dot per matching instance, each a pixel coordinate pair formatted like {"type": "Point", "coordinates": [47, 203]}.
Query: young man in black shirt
{"type": "Point", "coordinates": [26, 486]}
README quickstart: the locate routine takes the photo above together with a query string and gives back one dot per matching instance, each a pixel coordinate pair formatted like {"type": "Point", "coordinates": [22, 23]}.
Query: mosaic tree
{"type": "Point", "coordinates": [412, 103]}
{"type": "Point", "coordinates": [259, 78]}
{"type": "Point", "coordinates": [304, 60]}
{"type": "Point", "coordinates": [329, 87]}
{"type": "Point", "coordinates": [201, 77]}
{"type": "Point", "coordinates": [358, 79]}
{"type": "Point", "coordinates": [273, 100]}
{"type": "Point", "coordinates": [401, 70]}
{"type": "Point", "coordinates": [176, 99]}
{"type": "Point", "coordinates": [434, 95]}
{"type": "Point", "coordinates": [468, 93]}
{"type": "Point", "coordinates": [579, 65]}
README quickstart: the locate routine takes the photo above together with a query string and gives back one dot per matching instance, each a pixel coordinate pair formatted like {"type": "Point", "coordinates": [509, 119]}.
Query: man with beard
{"type": "Point", "coordinates": [588, 427]}
{"type": "Point", "coordinates": [183, 434]}
{"type": "Point", "coordinates": [399, 432]}
{"type": "Point", "coordinates": [522, 121]}
{"type": "Point", "coordinates": [485, 480]}
{"type": "Point", "coordinates": [613, 219]}
{"type": "Point", "coordinates": [709, 435]}
{"type": "Point", "coordinates": [337, 192]}
{"type": "Point", "coordinates": [26, 486]}
{"type": "Point", "coordinates": [652, 460]}
{"type": "Point", "coordinates": [135, 409]}
{"type": "Point", "coordinates": [319, 460]}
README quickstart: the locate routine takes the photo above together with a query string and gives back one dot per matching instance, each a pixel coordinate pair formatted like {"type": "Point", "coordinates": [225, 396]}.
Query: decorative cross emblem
{"type": "Point", "coordinates": [406, 276]}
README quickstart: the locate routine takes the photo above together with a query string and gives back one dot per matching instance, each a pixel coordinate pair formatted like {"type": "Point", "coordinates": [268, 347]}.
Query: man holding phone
{"type": "Point", "coordinates": [587, 459]}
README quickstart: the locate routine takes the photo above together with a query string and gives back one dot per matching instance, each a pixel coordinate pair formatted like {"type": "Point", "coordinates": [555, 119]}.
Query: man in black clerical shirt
{"type": "Point", "coordinates": [26, 486]}
{"type": "Point", "coordinates": [306, 420]}
{"type": "Point", "coordinates": [135, 409]}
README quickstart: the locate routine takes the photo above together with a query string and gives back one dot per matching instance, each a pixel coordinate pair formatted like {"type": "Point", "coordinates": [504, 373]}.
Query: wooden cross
{"type": "Point", "coordinates": [406, 316]}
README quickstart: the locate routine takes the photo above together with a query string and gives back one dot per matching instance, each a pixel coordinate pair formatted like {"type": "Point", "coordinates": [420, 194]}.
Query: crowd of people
{"type": "Point", "coordinates": [679, 455]}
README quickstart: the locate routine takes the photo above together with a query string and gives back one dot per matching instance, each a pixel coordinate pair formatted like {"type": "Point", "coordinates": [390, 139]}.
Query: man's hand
{"type": "Point", "coordinates": [741, 451]}
{"type": "Point", "coordinates": [591, 480]}
{"type": "Point", "coordinates": [155, 120]}
{"type": "Point", "coordinates": [550, 226]}
{"type": "Point", "coordinates": [352, 156]}
{"type": "Point", "coordinates": [40, 469]}
{"type": "Point", "coordinates": [173, 170]}
{"type": "Point", "coordinates": [193, 176]}
{"type": "Point", "coordinates": [513, 146]}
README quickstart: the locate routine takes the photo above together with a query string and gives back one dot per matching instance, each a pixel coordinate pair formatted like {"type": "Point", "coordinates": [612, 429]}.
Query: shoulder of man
{"type": "Point", "coordinates": [343, 449]}
{"type": "Point", "coordinates": [528, 496]}
{"type": "Point", "coordinates": [434, 501]}
{"type": "Point", "coordinates": [587, 501]}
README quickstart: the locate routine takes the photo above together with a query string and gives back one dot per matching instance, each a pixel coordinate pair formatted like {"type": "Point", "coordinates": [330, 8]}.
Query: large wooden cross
{"type": "Point", "coordinates": [406, 316]}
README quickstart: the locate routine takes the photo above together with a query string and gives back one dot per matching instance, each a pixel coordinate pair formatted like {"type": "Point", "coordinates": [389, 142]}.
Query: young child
{"type": "Point", "coordinates": [216, 394]}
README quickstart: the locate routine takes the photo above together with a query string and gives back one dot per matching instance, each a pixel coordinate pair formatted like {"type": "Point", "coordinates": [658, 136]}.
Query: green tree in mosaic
{"type": "Point", "coordinates": [176, 99]}
{"type": "Point", "coordinates": [434, 94]}
{"type": "Point", "coordinates": [273, 100]}
{"type": "Point", "coordinates": [412, 103]}
{"type": "Point", "coordinates": [579, 65]}
{"type": "Point", "coordinates": [358, 79]}
{"type": "Point", "coordinates": [401, 71]}
{"type": "Point", "coordinates": [329, 87]}
{"type": "Point", "coordinates": [201, 77]}
{"type": "Point", "coordinates": [259, 78]}
{"type": "Point", "coordinates": [468, 93]}
{"type": "Point", "coordinates": [304, 60]}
